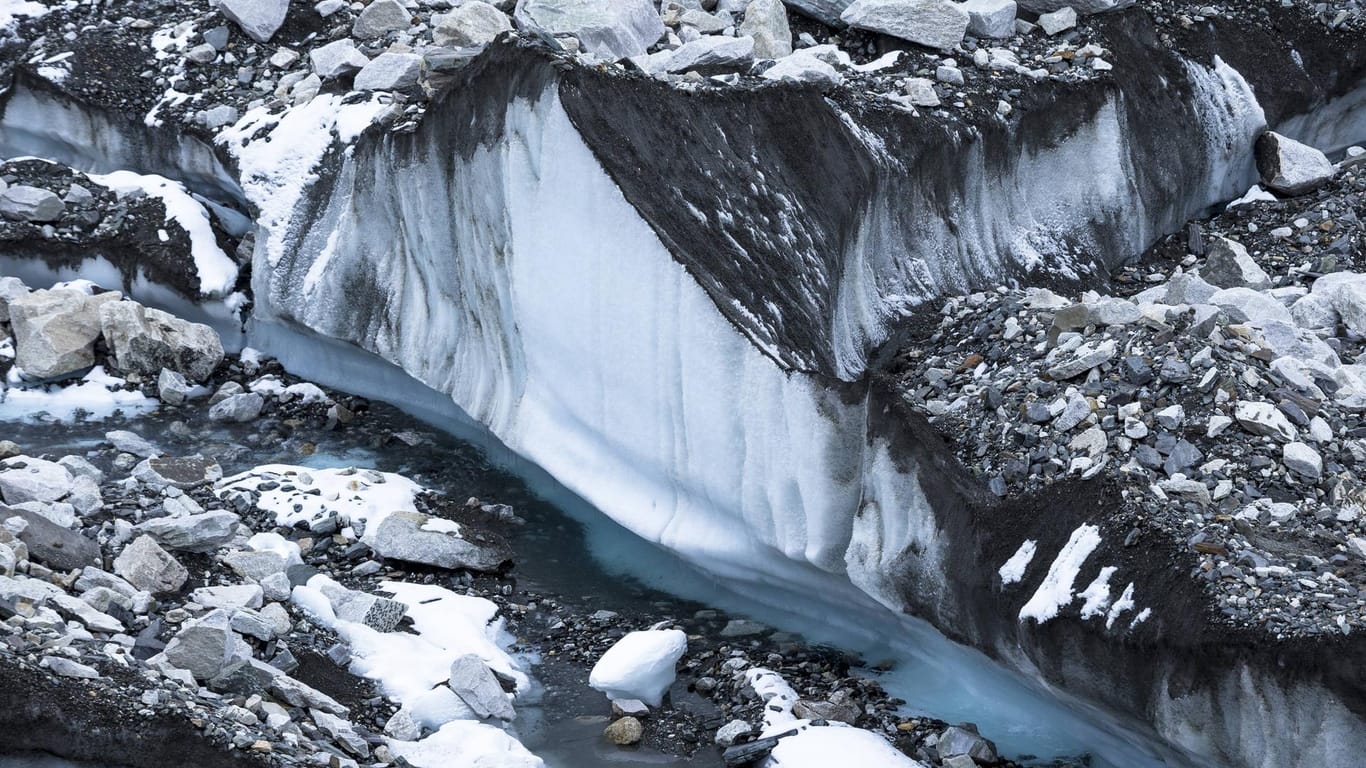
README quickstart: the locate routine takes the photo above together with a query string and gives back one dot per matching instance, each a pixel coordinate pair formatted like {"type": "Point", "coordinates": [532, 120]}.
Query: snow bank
{"type": "Point", "coordinates": [640, 665]}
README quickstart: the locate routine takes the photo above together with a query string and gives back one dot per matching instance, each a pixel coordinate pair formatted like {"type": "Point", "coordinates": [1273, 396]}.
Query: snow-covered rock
{"type": "Point", "coordinates": [934, 23]}
{"type": "Point", "coordinates": [612, 29]}
{"type": "Point", "coordinates": [1289, 167]}
{"type": "Point", "coordinates": [640, 665]}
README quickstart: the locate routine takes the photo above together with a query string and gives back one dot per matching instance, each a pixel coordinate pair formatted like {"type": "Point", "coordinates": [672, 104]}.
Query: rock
{"type": "Point", "coordinates": [1057, 21]}
{"type": "Point", "coordinates": [802, 67]}
{"type": "Point", "coordinates": [65, 667]}
{"type": "Point", "coordinates": [202, 54]}
{"type": "Point", "coordinates": [956, 740]}
{"type": "Point", "coordinates": [1345, 292]}
{"type": "Point", "coordinates": [172, 387]}
{"type": "Point", "coordinates": [37, 480]}
{"type": "Point", "coordinates": [231, 597]}
{"type": "Point", "coordinates": [207, 646]}
{"type": "Point", "coordinates": [612, 29]}
{"type": "Point", "coordinates": [342, 732]}
{"type": "Point", "coordinates": [11, 288]}
{"type": "Point", "coordinates": [1302, 460]}
{"type": "Point", "coordinates": [766, 22]}
{"type": "Point", "coordinates": [24, 203]}
{"type": "Point", "coordinates": [470, 24]}
{"type": "Point", "coordinates": [921, 92]}
{"type": "Point", "coordinates": [297, 694]}
{"type": "Point", "coordinates": [238, 408]}
{"type": "Point", "coordinates": [640, 665]}
{"type": "Point", "coordinates": [55, 331]}
{"type": "Point", "coordinates": [710, 53]}
{"type": "Point", "coordinates": [192, 533]}
{"type": "Point", "coordinates": [129, 442]}
{"type": "Point", "coordinates": [1112, 311]}
{"type": "Point", "coordinates": [932, 23]}
{"type": "Point", "coordinates": [1264, 419]}
{"type": "Point", "coordinates": [476, 685]}
{"type": "Point", "coordinates": [1244, 305]}
{"type": "Point", "coordinates": [56, 547]}
{"type": "Point", "coordinates": [380, 18]}
{"type": "Point", "coordinates": [1084, 358]}
{"type": "Point", "coordinates": [990, 18]}
{"type": "Point", "coordinates": [729, 733]}
{"type": "Point", "coordinates": [148, 567]}
{"type": "Point", "coordinates": [624, 732]}
{"type": "Point", "coordinates": [254, 566]}
{"type": "Point", "coordinates": [184, 472]}
{"type": "Point", "coordinates": [146, 340]}
{"type": "Point", "coordinates": [260, 19]}
{"type": "Point", "coordinates": [1229, 266]}
{"type": "Point", "coordinates": [417, 538]}
{"type": "Point", "coordinates": [336, 59]}
{"type": "Point", "coordinates": [1188, 288]}
{"type": "Point", "coordinates": [389, 72]}
{"type": "Point", "coordinates": [1289, 167]}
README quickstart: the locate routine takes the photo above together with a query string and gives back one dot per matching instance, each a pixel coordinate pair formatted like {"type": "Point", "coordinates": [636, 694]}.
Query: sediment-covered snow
{"type": "Point", "coordinates": [217, 272]}
{"type": "Point", "coordinates": [1056, 589]}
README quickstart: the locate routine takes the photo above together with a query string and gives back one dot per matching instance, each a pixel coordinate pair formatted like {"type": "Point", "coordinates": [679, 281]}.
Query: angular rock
{"type": "Point", "coordinates": [24, 203]}
{"type": "Point", "coordinates": [932, 23]}
{"type": "Point", "coordinates": [183, 472]}
{"type": "Point", "coordinates": [337, 58]}
{"type": "Point", "coordinates": [417, 538]}
{"type": "Point", "coordinates": [131, 442]}
{"type": "Point", "coordinates": [1081, 360]}
{"type": "Point", "coordinates": [612, 29]}
{"type": "Point", "coordinates": [207, 646]}
{"type": "Point", "coordinates": [802, 67]}
{"type": "Point", "coordinates": [260, 19]}
{"type": "Point", "coordinates": [11, 288]}
{"type": "Point", "coordinates": [1229, 266]}
{"type": "Point", "coordinates": [25, 479]}
{"type": "Point", "coordinates": [1264, 419]}
{"type": "Point", "coordinates": [230, 597]}
{"type": "Point", "coordinates": [991, 18]}
{"type": "Point", "coordinates": [56, 547]}
{"type": "Point", "coordinates": [172, 387]}
{"type": "Point", "coordinates": [148, 340]}
{"type": "Point", "coordinates": [711, 53]}
{"type": "Point", "coordinates": [470, 24]}
{"type": "Point", "coordinates": [55, 331]}
{"type": "Point", "coordinates": [766, 22]}
{"type": "Point", "coordinates": [380, 18]}
{"type": "Point", "coordinates": [297, 694]}
{"type": "Point", "coordinates": [145, 565]}
{"type": "Point", "coordinates": [238, 408]}
{"type": "Point", "coordinates": [476, 685]}
{"type": "Point", "coordinates": [1289, 167]}
{"type": "Point", "coordinates": [192, 533]}
{"type": "Point", "coordinates": [956, 740]}
{"type": "Point", "coordinates": [1058, 21]}
{"type": "Point", "coordinates": [65, 667]}
{"type": "Point", "coordinates": [1302, 460]}
{"type": "Point", "coordinates": [389, 72]}
{"type": "Point", "coordinates": [1244, 305]}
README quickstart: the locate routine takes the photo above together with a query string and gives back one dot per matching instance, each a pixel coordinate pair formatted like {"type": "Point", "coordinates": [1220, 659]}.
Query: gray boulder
{"type": "Point", "coordinates": [1080, 6]}
{"type": "Point", "coordinates": [991, 18]}
{"type": "Point", "coordinates": [58, 548]}
{"type": "Point", "coordinates": [297, 694]}
{"type": "Point", "coordinates": [260, 19]}
{"type": "Point", "coordinates": [254, 566]}
{"type": "Point", "coordinates": [827, 11]}
{"type": "Point", "coordinates": [389, 72]}
{"type": "Point", "coordinates": [192, 533]}
{"type": "Point", "coordinates": [148, 567]}
{"type": "Point", "coordinates": [172, 387]}
{"type": "Point", "coordinates": [239, 408]}
{"type": "Point", "coordinates": [337, 58]}
{"type": "Point", "coordinates": [146, 340]}
{"type": "Point", "coordinates": [36, 480]}
{"type": "Point", "coordinates": [231, 597]}
{"type": "Point", "coordinates": [612, 29]}
{"type": "Point", "coordinates": [207, 646]}
{"type": "Point", "coordinates": [956, 740]}
{"type": "Point", "coordinates": [183, 472]}
{"type": "Point", "coordinates": [380, 18]}
{"type": "Point", "coordinates": [25, 203]}
{"type": "Point", "coordinates": [710, 53]}
{"type": "Point", "coordinates": [476, 685]}
{"type": "Point", "coordinates": [1059, 21]}
{"type": "Point", "coordinates": [55, 331]}
{"type": "Point", "coordinates": [11, 288]}
{"type": "Point", "coordinates": [1289, 167]}
{"type": "Point", "coordinates": [1244, 305]}
{"type": "Point", "coordinates": [417, 538]}
{"type": "Point", "coordinates": [1229, 265]}
{"type": "Point", "coordinates": [766, 22]}
{"type": "Point", "coordinates": [472, 24]}
{"type": "Point", "coordinates": [131, 442]}
{"type": "Point", "coordinates": [932, 23]}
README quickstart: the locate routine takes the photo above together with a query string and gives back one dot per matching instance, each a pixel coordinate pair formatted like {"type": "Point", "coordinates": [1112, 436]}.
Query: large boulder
{"type": "Point", "coordinates": [932, 23]}
{"type": "Point", "coordinates": [389, 72]}
{"type": "Point", "coordinates": [207, 646]}
{"type": "Point", "coordinates": [58, 548]}
{"type": "Point", "coordinates": [1345, 294]}
{"type": "Point", "coordinates": [148, 567]}
{"type": "Point", "coordinates": [260, 19]}
{"type": "Point", "coordinates": [1229, 266]}
{"type": "Point", "coordinates": [612, 29]}
{"type": "Point", "coordinates": [472, 24]}
{"type": "Point", "coordinates": [204, 532]}
{"type": "Point", "coordinates": [24, 203]}
{"type": "Point", "coordinates": [711, 52]}
{"type": "Point", "coordinates": [337, 58]}
{"type": "Point", "coordinates": [476, 685]}
{"type": "Point", "coordinates": [146, 340]}
{"type": "Point", "coordinates": [991, 18]}
{"type": "Point", "coordinates": [24, 479]}
{"type": "Point", "coordinates": [183, 472]}
{"type": "Point", "coordinates": [1289, 167]}
{"type": "Point", "coordinates": [11, 288]}
{"type": "Point", "coordinates": [55, 330]}
{"type": "Point", "coordinates": [417, 538]}
{"type": "Point", "coordinates": [826, 11]}
{"type": "Point", "coordinates": [380, 18]}
{"type": "Point", "coordinates": [766, 22]}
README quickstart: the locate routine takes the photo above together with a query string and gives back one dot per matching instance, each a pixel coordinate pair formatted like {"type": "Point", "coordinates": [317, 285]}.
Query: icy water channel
{"type": "Point", "coordinates": [584, 560]}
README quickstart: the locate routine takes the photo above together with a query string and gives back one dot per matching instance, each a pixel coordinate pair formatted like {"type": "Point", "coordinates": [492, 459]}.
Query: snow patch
{"type": "Point", "coordinates": [1056, 589]}
{"type": "Point", "coordinates": [96, 396]}
{"type": "Point", "coordinates": [304, 495]}
{"type": "Point", "coordinates": [1014, 569]}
